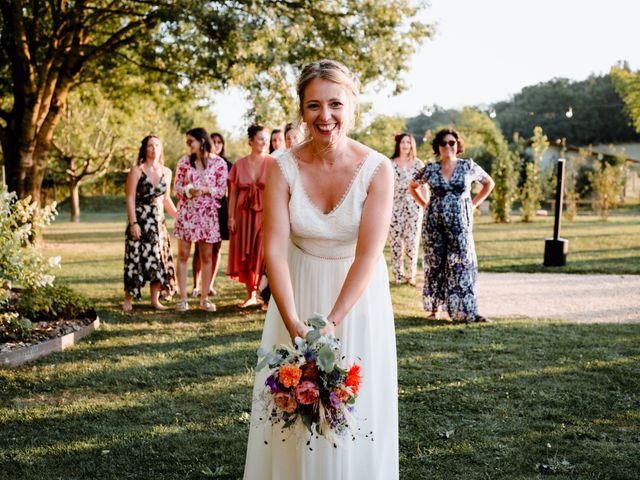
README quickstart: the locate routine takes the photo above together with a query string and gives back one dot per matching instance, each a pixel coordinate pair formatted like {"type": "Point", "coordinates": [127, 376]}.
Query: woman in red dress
{"type": "Point", "coordinates": [246, 191]}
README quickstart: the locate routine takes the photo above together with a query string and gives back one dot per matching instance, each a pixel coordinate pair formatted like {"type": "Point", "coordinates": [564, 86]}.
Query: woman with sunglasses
{"type": "Point", "coordinates": [450, 264]}
{"type": "Point", "coordinates": [201, 181]}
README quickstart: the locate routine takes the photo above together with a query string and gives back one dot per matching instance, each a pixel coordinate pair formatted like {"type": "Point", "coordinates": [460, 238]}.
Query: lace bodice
{"type": "Point", "coordinates": [328, 235]}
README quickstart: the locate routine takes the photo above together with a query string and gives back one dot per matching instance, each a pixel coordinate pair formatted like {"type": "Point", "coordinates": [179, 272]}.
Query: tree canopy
{"type": "Point", "coordinates": [597, 112]}
{"type": "Point", "coordinates": [48, 48]}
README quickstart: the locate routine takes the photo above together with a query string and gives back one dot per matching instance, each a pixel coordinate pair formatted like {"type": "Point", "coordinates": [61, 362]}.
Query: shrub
{"type": "Point", "coordinates": [21, 262]}
{"type": "Point", "coordinates": [51, 303]}
{"type": "Point", "coordinates": [13, 327]}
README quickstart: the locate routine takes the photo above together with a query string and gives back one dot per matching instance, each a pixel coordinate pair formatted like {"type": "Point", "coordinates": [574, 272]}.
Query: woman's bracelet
{"type": "Point", "coordinates": [131, 224]}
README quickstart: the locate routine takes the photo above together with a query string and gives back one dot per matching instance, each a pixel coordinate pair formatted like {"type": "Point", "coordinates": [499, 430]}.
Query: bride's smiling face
{"type": "Point", "coordinates": [327, 109]}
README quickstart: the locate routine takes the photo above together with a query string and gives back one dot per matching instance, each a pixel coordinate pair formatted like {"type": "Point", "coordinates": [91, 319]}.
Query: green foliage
{"type": "Point", "coordinates": [531, 191]}
{"type": "Point", "coordinates": [52, 302]}
{"type": "Point", "coordinates": [607, 184]}
{"type": "Point", "coordinates": [380, 133]}
{"type": "Point", "coordinates": [486, 145]}
{"type": "Point", "coordinates": [424, 126]}
{"type": "Point", "coordinates": [598, 111]}
{"type": "Point", "coordinates": [21, 261]}
{"type": "Point", "coordinates": [13, 327]}
{"type": "Point", "coordinates": [627, 83]}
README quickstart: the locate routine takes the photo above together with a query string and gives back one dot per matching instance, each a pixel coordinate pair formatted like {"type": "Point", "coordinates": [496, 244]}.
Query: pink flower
{"type": "Point", "coordinates": [307, 393]}
{"type": "Point", "coordinates": [285, 402]}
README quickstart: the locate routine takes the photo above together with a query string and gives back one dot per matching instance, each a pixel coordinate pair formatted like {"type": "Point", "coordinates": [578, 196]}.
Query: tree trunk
{"type": "Point", "coordinates": [74, 201]}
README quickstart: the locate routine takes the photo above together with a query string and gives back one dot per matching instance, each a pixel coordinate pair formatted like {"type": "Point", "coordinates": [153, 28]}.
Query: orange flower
{"type": "Point", "coordinates": [354, 378]}
{"type": "Point", "coordinates": [343, 395]}
{"type": "Point", "coordinates": [289, 375]}
{"type": "Point", "coordinates": [285, 402]}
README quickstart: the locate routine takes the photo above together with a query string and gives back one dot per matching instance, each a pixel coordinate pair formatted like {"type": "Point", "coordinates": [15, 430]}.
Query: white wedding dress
{"type": "Point", "coordinates": [320, 253]}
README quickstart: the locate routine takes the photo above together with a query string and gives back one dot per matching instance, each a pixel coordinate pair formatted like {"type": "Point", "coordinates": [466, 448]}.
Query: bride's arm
{"type": "Point", "coordinates": [276, 247]}
{"type": "Point", "coordinates": [372, 235]}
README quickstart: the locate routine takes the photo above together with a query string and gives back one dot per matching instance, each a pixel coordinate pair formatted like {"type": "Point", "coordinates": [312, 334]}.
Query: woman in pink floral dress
{"type": "Point", "coordinates": [200, 182]}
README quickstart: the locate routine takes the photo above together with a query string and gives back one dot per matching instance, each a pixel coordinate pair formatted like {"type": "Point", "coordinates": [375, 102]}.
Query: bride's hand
{"type": "Point", "coordinates": [299, 330]}
{"type": "Point", "coordinates": [329, 329]}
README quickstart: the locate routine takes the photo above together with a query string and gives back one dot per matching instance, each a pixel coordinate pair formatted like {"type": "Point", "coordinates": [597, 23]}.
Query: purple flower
{"type": "Point", "coordinates": [333, 398]}
{"type": "Point", "coordinates": [310, 354]}
{"type": "Point", "coordinates": [273, 385]}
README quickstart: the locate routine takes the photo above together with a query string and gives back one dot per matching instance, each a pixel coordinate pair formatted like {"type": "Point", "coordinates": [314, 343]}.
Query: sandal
{"type": "Point", "coordinates": [432, 316]}
{"type": "Point", "coordinates": [195, 293]}
{"type": "Point", "coordinates": [207, 306]}
{"type": "Point", "coordinates": [182, 306]}
{"type": "Point", "coordinates": [481, 319]}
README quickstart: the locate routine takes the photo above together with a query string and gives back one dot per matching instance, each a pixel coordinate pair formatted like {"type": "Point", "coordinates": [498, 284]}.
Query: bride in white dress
{"type": "Point", "coordinates": [327, 214]}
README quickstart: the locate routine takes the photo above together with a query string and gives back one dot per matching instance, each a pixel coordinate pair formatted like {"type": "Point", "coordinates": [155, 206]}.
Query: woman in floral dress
{"type": "Point", "coordinates": [404, 234]}
{"type": "Point", "coordinates": [450, 264]}
{"type": "Point", "coordinates": [147, 256]}
{"type": "Point", "coordinates": [246, 191]}
{"type": "Point", "coordinates": [201, 181]}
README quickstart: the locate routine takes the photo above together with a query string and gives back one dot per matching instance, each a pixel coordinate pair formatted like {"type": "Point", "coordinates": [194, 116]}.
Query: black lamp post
{"type": "Point", "coordinates": [556, 248]}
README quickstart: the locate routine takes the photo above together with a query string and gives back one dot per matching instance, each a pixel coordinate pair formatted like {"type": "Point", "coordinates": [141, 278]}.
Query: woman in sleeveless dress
{"type": "Point", "coordinates": [327, 213]}
{"type": "Point", "coordinates": [147, 256]}
{"type": "Point", "coordinates": [246, 191]}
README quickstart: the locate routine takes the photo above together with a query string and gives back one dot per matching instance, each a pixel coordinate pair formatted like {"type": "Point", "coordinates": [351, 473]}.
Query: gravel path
{"type": "Point", "coordinates": [576, 298]}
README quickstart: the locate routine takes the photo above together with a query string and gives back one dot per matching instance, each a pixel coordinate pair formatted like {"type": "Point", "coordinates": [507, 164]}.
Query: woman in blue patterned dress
{"type": "Point", "coordinates": [450, 264]}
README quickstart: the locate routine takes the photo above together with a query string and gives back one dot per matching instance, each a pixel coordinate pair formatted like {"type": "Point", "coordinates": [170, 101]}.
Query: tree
{"type": "Point", "coordinates": [49, 48]}
{"type": "Point", "coordinates": [607, 182]}
{"type": "Point", "coordinates": [380, 133]}
{"type": "Point", "coordinates": [532, 189]}
{"type": "Point", "coordinates": [486, 145]}
{"type": "Point", "coordinates": [627, 83]}
{"type": "Point", "coordinates": [597, 111]}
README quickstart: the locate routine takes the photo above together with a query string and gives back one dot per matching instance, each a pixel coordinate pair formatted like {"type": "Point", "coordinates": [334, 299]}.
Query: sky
{"type": "Point", "coordinates": [485, 51]}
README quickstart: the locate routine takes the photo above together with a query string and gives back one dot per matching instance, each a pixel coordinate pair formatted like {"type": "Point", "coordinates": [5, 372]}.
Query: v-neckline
{"type": "Point", "coordinates": [345, 193]}
{"type": "Point", "coordinates": [150, 181]}
{"type": "Point", "coordinates": [262, 168]}
{"type": "Point", "coordinates": [453, 172]}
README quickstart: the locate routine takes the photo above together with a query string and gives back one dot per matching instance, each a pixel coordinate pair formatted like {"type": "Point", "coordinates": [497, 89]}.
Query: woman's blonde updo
{"type": "Point", "coordinates": [332, 71]}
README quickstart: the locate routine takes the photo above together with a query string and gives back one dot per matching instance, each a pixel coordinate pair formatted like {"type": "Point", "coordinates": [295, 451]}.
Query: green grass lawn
{"type": "Point", "coordinates": [167, 396]}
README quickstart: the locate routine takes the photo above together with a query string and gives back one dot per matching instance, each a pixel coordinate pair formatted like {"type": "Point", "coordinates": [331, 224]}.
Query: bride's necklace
{"type": "Point", "coordinates": [320, 154]}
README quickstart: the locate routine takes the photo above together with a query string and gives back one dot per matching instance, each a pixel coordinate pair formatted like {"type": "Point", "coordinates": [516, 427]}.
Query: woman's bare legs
{"type": "Point", "coordinates": [184, 249]}
{"type": "Point", "coordinates": [155, 296]}
{"type": "Point", "coordinates": [205, 251]}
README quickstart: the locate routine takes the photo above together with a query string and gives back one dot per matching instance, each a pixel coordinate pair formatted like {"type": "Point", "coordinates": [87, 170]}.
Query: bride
{"type": "Point", "coordinates": [327, 214]}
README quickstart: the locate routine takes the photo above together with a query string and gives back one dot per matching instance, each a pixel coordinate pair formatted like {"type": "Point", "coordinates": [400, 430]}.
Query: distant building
{"type": "Point", "coordinates": [631, 152]}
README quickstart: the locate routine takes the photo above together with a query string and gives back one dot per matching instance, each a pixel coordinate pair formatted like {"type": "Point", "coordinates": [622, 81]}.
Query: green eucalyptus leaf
{"type": "Point", "coordinates": [317, 321]}
{"type": "Point", "coordinates": [313, 336]}
{"type": "Point", "coordinates": [326, 359]}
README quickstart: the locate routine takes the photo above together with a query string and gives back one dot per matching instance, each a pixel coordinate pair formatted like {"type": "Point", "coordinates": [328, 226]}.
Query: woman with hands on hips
{"type": "Point", "coordinates": [450, 263]}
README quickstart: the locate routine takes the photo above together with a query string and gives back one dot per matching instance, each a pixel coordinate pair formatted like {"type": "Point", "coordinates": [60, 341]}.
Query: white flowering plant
{"type": "Point", "coordinates": [21, 262]}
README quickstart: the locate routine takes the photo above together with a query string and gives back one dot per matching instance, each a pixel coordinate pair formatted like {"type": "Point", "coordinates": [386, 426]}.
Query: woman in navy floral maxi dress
{"type": "Point", "coordinates": [450, 264]}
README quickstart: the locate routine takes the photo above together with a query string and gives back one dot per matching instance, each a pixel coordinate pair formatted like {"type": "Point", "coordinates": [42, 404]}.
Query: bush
{"type": "Point", "coordinates": [52, 303]}
{"type": "Point", "coordinates": [12, 327]}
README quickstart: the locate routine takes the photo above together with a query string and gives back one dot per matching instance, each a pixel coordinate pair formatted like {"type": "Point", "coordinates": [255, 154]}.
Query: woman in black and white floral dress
{"type": "Point", "coordinates": [147, 256]}
{"type": "Point", "coordinates": [404, 234]}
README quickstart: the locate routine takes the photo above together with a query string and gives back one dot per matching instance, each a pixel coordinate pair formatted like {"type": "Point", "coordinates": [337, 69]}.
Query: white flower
{"type": "Point", "coordinates": [46, 280]}
{"type": "Point", "coordinates": [55, 261]}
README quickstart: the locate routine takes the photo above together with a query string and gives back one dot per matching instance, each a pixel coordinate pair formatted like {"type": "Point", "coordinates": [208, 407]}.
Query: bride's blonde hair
{"type": "Point", "coordinates": [332, 71]}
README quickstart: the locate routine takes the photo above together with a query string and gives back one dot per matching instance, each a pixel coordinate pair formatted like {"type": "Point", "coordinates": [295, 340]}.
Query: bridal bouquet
{"type": "Point", "coordinates": [308, 384]}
